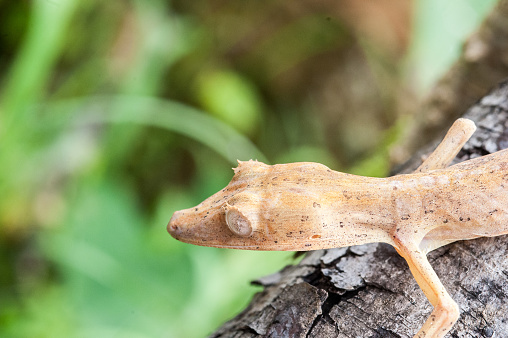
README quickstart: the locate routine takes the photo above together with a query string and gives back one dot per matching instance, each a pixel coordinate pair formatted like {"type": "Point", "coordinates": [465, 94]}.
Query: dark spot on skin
{"type": "Point", "coordinates": [301, 232]}
{"type": "Point", "coordinates": [395, 188]}
{"type": "Point", "coordinates": [195, 209]}
{"type": "Point", "coordinates": [461, 219]}
{"type": "Point", "coordinates": [316, 236]}
{"type": "Point", "coordinates": [308, 244]}
{"type": "Point", "coordinates": [445, 221]}
{"type": "Point", "coordinates": [316, 205]}
{"type": "Point", "coordinates": [341, 224]}
{"type": "Point", "coordinates": [405, 218]}
{"type": "Point", "coordinates": [274, 178]}
{"type": "Point", "coordinates": [275, 242]}
{"type": "Point", "coordinates": [493, 211]}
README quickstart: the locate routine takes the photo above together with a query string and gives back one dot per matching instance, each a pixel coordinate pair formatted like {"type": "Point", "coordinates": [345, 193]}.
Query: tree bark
{"type": "Point", "coordinates": [367, 290]}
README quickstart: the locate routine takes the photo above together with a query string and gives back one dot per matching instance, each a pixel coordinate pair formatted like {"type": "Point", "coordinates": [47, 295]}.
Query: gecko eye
{"type": "Point", "coordinates": [237, 222]}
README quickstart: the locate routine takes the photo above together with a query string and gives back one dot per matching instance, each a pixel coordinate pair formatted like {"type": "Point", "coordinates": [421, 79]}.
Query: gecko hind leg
{"type": "Point", "coordinates": [458, 134]}
{"type": "Point", "coordinates": [446, 311]}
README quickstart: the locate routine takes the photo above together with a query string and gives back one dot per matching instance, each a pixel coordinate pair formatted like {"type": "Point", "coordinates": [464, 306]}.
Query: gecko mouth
{"type": "Point", "coordinates": [253, 247]}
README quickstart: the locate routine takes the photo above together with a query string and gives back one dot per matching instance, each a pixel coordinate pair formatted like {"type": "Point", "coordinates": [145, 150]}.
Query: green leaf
{"type": "Point", "coordinates": [150, 111]}
{"type": "Point", "coordinates": [232, 98]}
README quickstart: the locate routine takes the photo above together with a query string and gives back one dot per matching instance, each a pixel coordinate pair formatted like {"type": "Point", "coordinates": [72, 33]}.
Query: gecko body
{"type": "Point", "coordinates": [307, 206]}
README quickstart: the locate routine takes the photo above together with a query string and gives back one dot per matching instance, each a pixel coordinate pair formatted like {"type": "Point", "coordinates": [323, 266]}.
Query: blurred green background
{"type": "Point", "coordinates": [114, 114]}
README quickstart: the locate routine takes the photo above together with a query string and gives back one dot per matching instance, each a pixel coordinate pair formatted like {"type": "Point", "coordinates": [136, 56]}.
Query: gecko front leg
{"type": "Point", "coordinates": [455, 138]}
{"type": "Point", "coordinates": [446, 312]}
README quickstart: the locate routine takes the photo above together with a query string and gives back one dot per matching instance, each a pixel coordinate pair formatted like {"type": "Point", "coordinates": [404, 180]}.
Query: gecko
{"type": "Point", "coordinates": [307, 206]}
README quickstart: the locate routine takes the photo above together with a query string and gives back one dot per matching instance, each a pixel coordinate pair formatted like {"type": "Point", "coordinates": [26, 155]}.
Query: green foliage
{"type": "Point", "coordinates": [439, 30]}
{"type": "Point", "coordinates": [231, 98]}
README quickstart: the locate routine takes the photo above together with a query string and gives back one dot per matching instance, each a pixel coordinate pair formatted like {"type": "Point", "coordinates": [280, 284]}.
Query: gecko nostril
{"type": "Point", "coordinates": [174, 230]}
{"type": "Point", "coordinates": [173, 227]}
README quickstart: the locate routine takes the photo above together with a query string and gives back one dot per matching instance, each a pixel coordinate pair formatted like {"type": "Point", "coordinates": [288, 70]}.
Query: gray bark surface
{"type": "Point", "coordinates": [368, 291]}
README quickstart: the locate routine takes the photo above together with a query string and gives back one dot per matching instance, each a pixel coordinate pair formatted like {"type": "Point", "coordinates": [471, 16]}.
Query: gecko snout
{"type": "Point", "coordinates": [174, 228]}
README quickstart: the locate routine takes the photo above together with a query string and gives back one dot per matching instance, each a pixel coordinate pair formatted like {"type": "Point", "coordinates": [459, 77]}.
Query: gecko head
{"type": "Point", "coordinates": [229, 218]}
{"type": "Point", "coordinates": [262, 208]}
{"type": "Point", "coordinates": [232, 224]}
